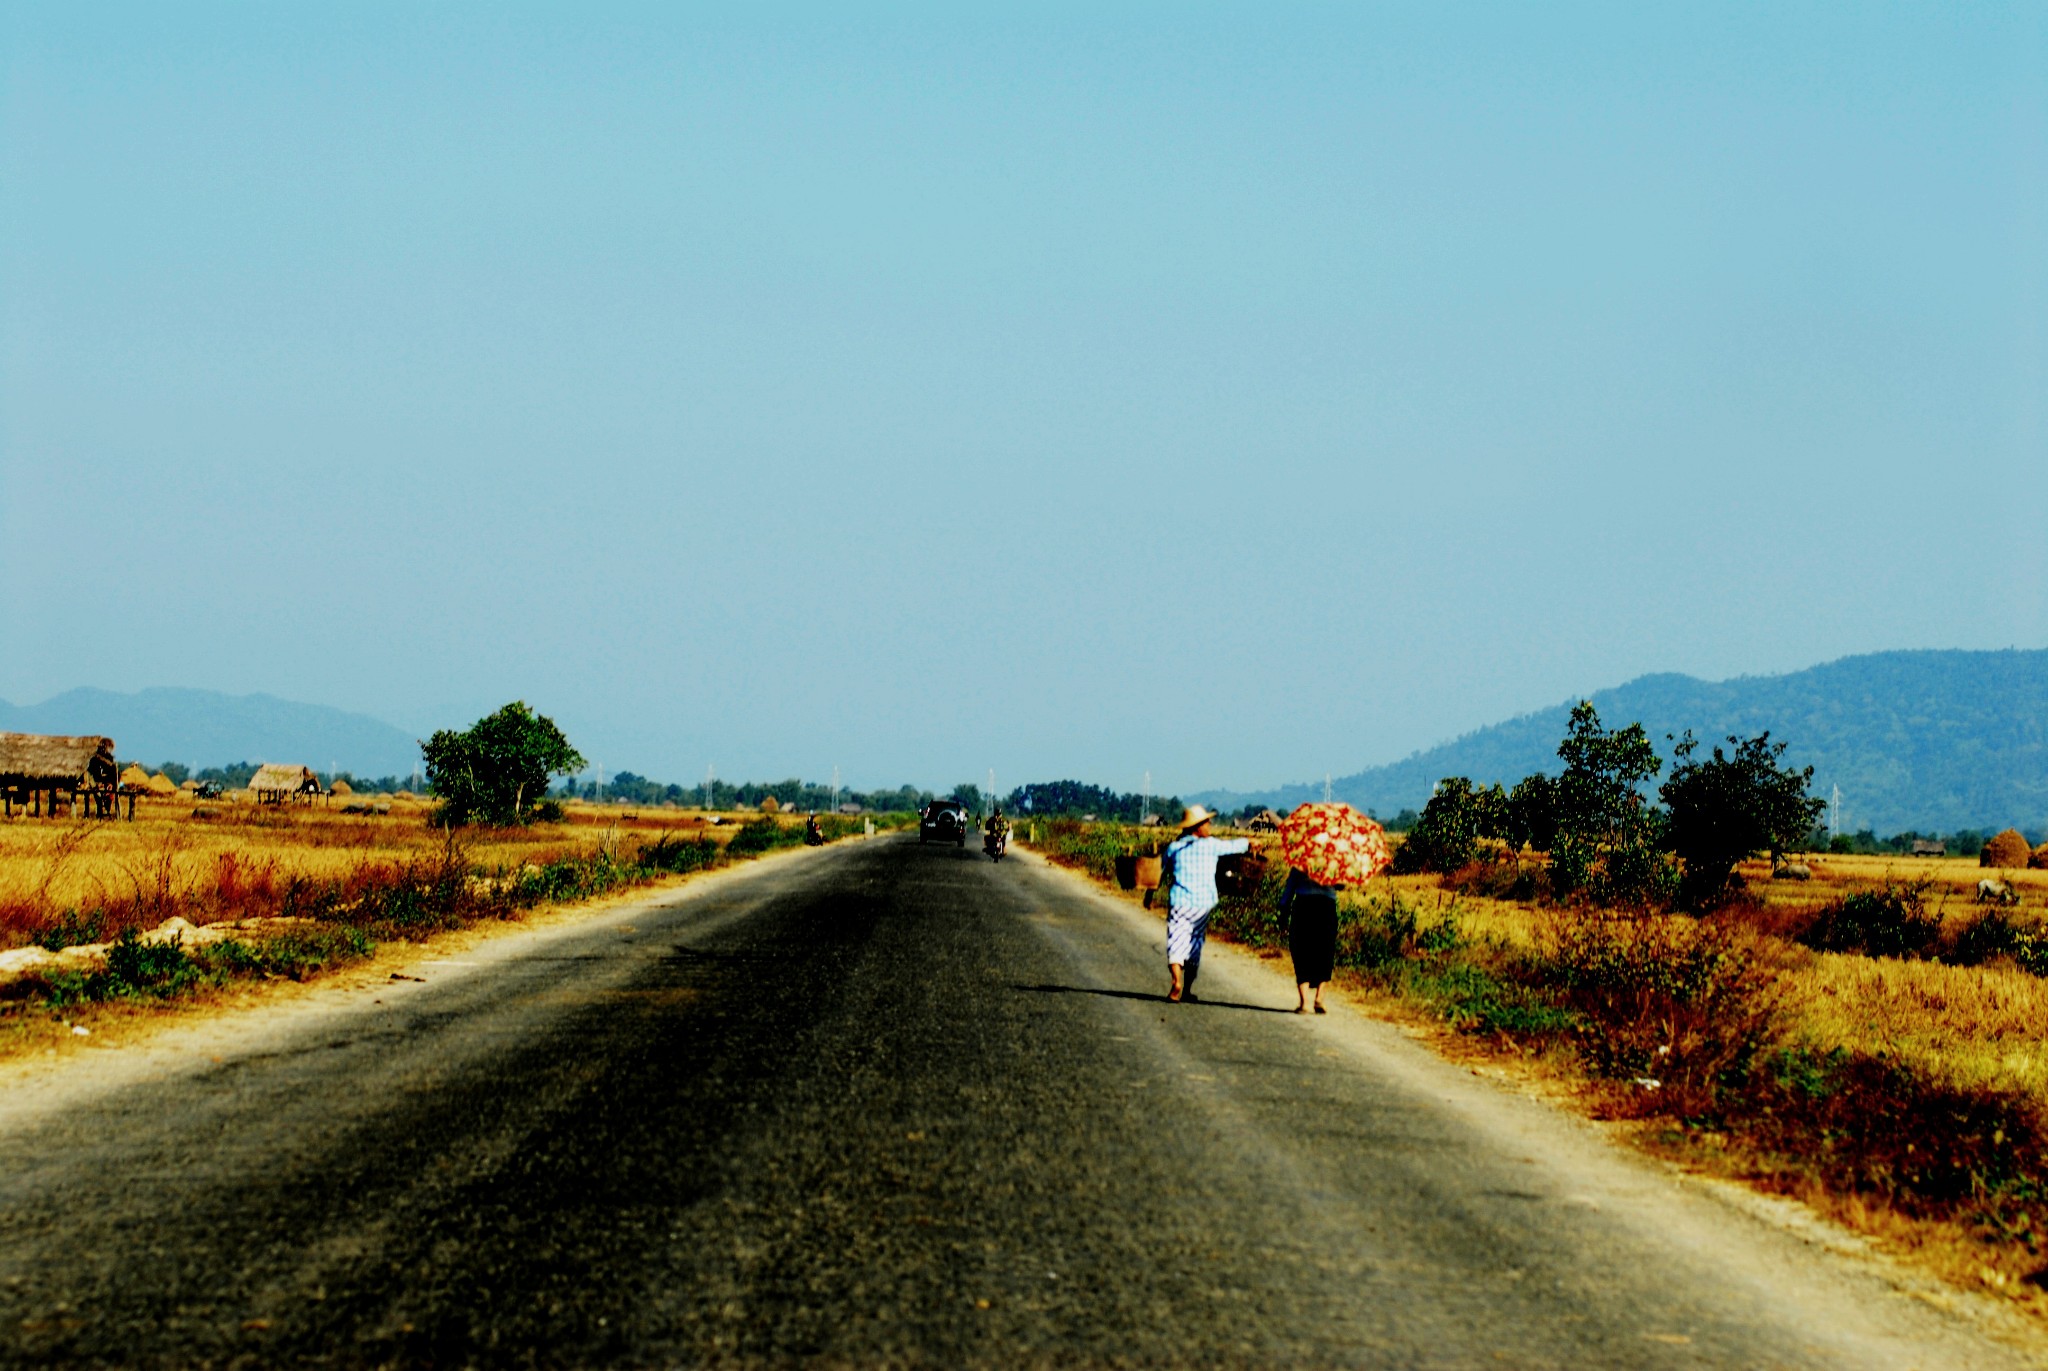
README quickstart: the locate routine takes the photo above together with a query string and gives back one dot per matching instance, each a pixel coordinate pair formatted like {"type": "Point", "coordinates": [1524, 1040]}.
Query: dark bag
{"type": "Point", "coordinates": [1238, 874]}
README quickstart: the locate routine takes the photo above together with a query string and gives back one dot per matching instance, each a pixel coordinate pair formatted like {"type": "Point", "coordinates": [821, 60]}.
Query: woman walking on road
{"type": "Point", "coordinates": [1190, 895]}
{"type": "Point", "coordinates": [1329, 845]}
{"type": "Point", "coordinates": [1310, 908]}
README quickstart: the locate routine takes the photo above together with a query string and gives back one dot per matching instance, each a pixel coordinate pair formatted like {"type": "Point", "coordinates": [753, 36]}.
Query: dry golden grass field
{"type": "Point", "coordinates": [223, 859]}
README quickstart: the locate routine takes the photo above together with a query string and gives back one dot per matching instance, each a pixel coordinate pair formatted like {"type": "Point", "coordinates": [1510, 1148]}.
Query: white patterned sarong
{"type": "Point", "coordinates": [1186, 928]}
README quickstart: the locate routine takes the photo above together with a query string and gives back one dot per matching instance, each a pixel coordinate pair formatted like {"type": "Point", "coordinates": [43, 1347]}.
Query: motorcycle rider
{"type": "Point", "coordinates": [814, 836]}
{"type": "Point", "coordinates": [995, 834]}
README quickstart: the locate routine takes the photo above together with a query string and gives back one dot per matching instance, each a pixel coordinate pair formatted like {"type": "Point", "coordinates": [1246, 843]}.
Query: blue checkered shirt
{"type": "Point", "coordinates": [1194, 871]}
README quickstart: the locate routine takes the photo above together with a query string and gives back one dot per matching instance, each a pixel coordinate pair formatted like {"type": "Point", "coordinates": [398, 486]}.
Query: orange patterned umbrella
{"type": "Point", "coordinates": [1334, 843]}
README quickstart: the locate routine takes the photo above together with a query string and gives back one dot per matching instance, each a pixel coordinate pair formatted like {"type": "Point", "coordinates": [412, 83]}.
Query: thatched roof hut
{"type": "Point", "coordinates": [38, 761]}
{"type": "Point", "coordinates": [274, 783]}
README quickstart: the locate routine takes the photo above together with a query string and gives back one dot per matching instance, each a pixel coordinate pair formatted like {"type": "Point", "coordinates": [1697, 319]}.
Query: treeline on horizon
{"type": "Point", "coordinates": [1067, 799]}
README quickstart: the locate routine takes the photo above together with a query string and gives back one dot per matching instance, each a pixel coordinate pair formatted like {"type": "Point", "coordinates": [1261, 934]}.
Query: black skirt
{"type": "Point", "coordinates": [1312, 936]}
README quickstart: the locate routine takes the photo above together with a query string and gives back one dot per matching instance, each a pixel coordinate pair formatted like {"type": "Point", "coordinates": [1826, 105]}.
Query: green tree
{"type": "Point", "coordinates": [1531, 814]}
{"type": "Point", "coordinates": [1447, 835]}
{"type": "Point", "coordinates": [497, 770]}
{"type": "Point", "coordinates": [1608, 839]}
{"type": "Point", "coordinates": [1724, 808]}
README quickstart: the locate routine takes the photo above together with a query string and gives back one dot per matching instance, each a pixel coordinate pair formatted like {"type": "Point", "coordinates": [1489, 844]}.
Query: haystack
{"type": "Point", "coordinates": [341, 788]}
{"type": "Point", "coordinates": [188, 785]}
{"type": "Point", "coordinates": [2007, 850]}
{"type": "Point", "coordinates": [2039, 861]}
{"type": "Point", "coordinates": [161, 784]}
{"type": "Point", "coordinates": [769, 804]}
{"type": "Point", "coordinates": [134, 778]}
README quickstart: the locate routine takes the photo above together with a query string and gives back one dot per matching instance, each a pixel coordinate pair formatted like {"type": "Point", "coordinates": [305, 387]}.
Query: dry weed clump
{"type": "Point", "coordinates": [1679, 1007]}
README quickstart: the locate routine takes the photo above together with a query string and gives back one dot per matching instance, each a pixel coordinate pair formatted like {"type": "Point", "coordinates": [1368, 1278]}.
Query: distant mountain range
{"type": "Point", "coordinates": [1929, 741]}
{"type": "Point", "coordinates": [205, 728]}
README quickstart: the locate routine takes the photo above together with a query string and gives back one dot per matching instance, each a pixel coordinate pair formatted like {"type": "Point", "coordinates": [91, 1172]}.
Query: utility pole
{"type": "Point", "coordinates": [1145, 798]}
{"type": "Point", "coordinates": [709, 772]}
{"type": "Point", "coordinates": [1326, 787]}
{"type": "Point", "coordinates": [1835, 815]}
{"type": "Point", "coordinates": [991, 788]}
{"type": "Point", "coordinates": [835, 789]}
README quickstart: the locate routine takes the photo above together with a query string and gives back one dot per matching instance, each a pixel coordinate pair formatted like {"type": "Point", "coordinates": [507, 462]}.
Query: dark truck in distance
{"type": "Point", "coordinates": [943, 821]}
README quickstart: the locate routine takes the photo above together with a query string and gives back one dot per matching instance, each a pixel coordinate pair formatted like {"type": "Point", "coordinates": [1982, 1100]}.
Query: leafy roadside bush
{"type": "Point", "coordinates": [1994, 935]}
{"type": "Point", "coordinates": [135, 967]}
{"type": "Point", "coordinates": [1474, 999]}
{"type": "Point", "coordinates": [1891, 922]}
{"type": "Point", "coordinates": [1092, 848]}
{"type": "Point", "coordinates": [675, 856]}
{"type": "Point", "coordinates": [763, 835]}
{"type": "Point", "coordinates": [71, 928]}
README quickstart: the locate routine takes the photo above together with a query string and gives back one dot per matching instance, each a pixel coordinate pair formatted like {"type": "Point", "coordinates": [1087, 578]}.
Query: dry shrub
{"type": "Point", "coordinates": [1791, 921]}
{"type": "Point", "coordinates": [1503, 878]}
{"type": "Point", "coordinates": [2008, 850]}
{"type": "Point", "coordinates": [1684, 1003]}
{"type": "Point", "coordinates": [1873, 1125]}
{"type": "Point", "coordinates": [245, 887]}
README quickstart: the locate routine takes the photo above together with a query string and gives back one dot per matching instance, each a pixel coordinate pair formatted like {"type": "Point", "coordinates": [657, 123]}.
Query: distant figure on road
{"type": "Point", "coordinates": [995, 834]}
{"type": "Point", "coordinates": [813, 834]}
{"type": "Point", "coordinates": [1190, 895]}
{"type": "Point", "coordinates": [1310, 908]}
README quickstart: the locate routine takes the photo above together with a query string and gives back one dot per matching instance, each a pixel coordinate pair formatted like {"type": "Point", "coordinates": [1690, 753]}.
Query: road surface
{"type": "Point", "coordinates": [876, 1104]}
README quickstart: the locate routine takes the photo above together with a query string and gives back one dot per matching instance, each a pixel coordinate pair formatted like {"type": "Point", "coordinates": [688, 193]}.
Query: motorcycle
{"type": "Point", "coordinates": [995, 844]}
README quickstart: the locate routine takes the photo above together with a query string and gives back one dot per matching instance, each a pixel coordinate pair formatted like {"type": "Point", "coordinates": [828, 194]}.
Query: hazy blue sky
{"type": "Point", "coordinates": [1239, 392]}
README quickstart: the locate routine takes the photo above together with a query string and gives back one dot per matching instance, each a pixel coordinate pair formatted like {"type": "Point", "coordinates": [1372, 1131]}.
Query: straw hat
{"type": "Point", "coordinates": [1194, 816]}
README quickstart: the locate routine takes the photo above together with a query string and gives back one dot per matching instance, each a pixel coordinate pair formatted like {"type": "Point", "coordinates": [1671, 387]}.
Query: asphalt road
{"type": "Point", "coordinates": [875, 1104]}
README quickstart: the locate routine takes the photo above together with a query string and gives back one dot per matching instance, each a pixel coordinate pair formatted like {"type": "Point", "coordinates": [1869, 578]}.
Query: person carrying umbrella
{"type": "Point", "coordinates": [1191, 895]}
{"type": "Point", "coordinates": [1327, 846]}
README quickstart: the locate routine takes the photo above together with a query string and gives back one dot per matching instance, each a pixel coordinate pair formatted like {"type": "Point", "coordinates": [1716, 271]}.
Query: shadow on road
{"type": "Point", "coordinates": [1198, 1003]}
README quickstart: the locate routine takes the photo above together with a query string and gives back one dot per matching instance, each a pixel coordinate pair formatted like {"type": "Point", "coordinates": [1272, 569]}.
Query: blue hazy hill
{"type": "Point", "coordinates": [1928, 740]}
{"type": "Point", "coordinates": [206, 728]}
